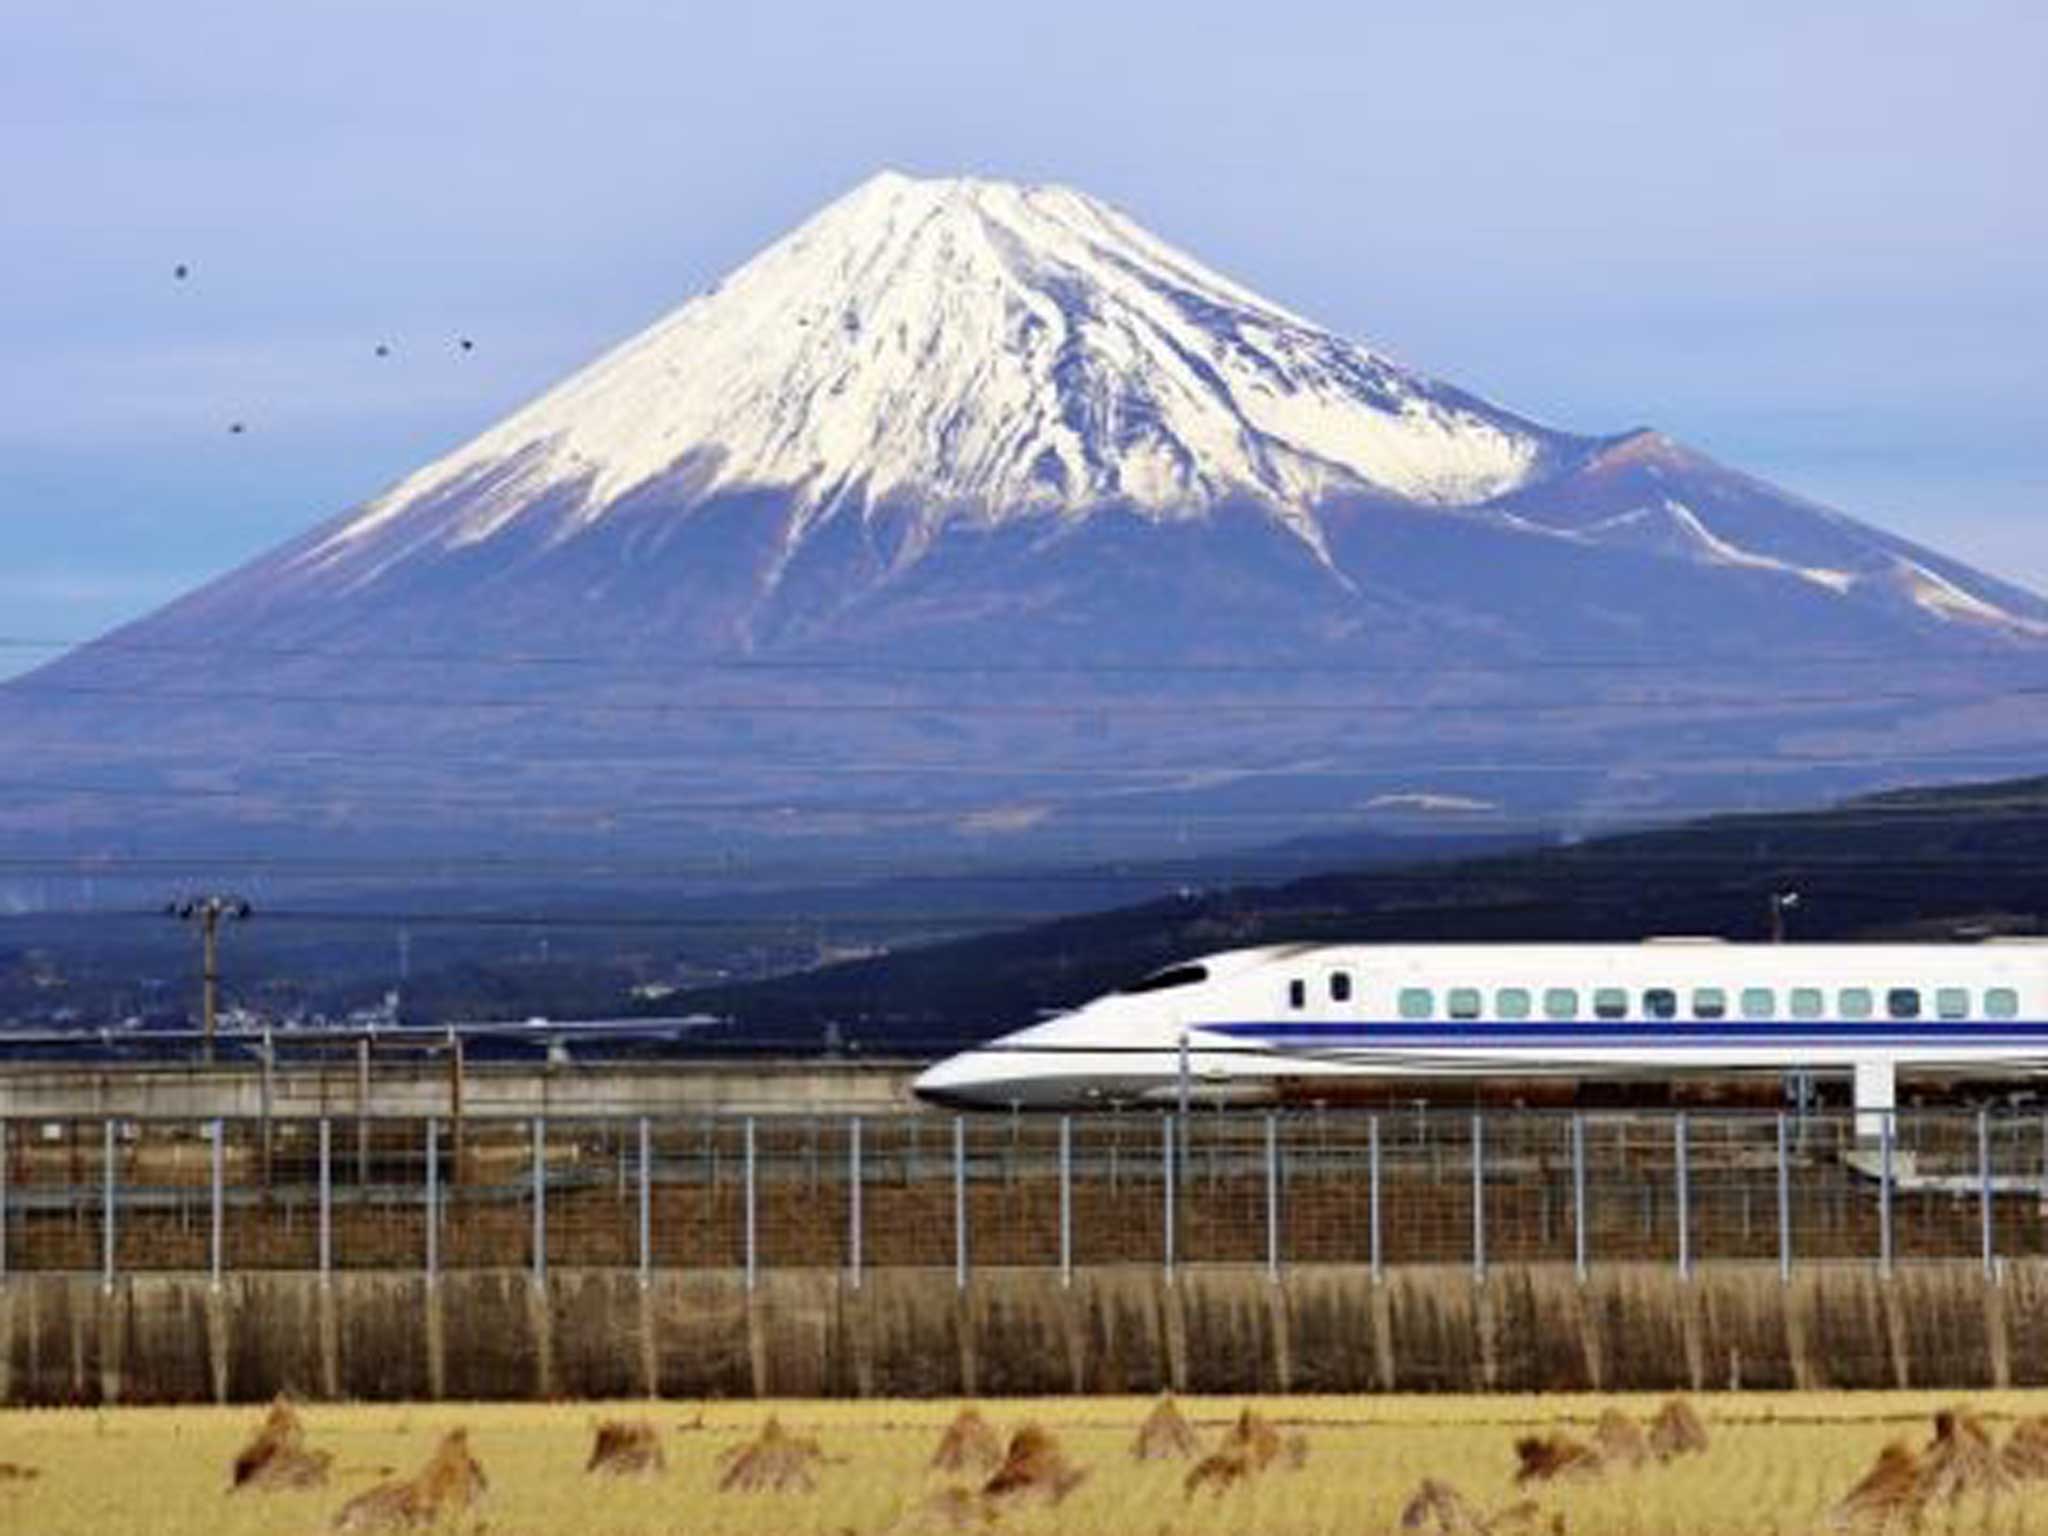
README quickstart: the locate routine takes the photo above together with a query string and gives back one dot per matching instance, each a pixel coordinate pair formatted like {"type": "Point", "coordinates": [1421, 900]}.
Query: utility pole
{"type": "Point", "coordinates": [207, 912]}
{"type": "Point", "coordinates": [404, 976]}
{"type": "Point", "coordinates": [1781, 903]}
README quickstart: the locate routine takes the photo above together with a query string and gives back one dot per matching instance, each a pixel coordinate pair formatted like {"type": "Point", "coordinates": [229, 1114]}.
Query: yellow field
{"type": "Point", "coordinates": [1776, 1464]}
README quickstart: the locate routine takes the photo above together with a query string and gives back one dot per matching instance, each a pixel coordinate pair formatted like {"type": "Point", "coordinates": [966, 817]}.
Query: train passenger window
{"type": "Point", "coordinates": [1417, 1003]}
{"type": "Point", "coordinates": [1903, 1002]}
{"type": "Point", "coordinates": [1660, 1003]}
{"type": "Point", "coordinates": [1560, 1003]}
{"type": "Point", "coordinates": [1759, 1003]}
{"type": "Point", "coordinates": [1462, 1002]}
{"type": "Point", "coordinates": [1610, 1003]}
{"type": "Point", "coordinates": [1297, 993]}
{"type": "Point", "coordinates": [1808, 1003]}
{"type": "Point", "coordinates": [1855, 1002]}
{"type": "Point", "coordinates": [1952, 1002]}
{"type": "Point", "coordinates": [1709, 1003]}
{"type": "Point", "coordinates": [1511, 1002]}
{"type": "Point", "coordinates": [1340, 986]}
{"type": "Point", "coordinates": [2001, 1003]}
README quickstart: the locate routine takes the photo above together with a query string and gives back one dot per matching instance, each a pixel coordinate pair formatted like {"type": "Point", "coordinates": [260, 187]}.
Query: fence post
{"type": "Point", "coordinates": [1885, 1135]}
{"type": "Point", "coordinates": [1372, 1193]}
{"type": "Point", "coordinates": [267, 1137]}
{"type": "Point", "coordinates": [853, 1235]}
{"type": "Point", "coordinates": [5, 1143]}
{"type": "Point", "coordinates": [646, 1203]}
{"type": "Point", "coordinates": [1984, 1192]}
{"type": "Point", "coordinates": [1784, 1206]}
{"type": "Point", "coordinates": [326, 1199]}
{"type": "Point", "coordinates": [1272, 1196]}
{"type": "Point", "coordinates": [433, 1200]}
{"type": "Point", "coordinates": [1478, 1196]}
{"type": "Point", "coordinates": [1580, 1244]}
{"type": "Point", "coordinates": [1684, 1171]}
{"type": "Point", "coordinates": [216, 1186]}
{"type": "Point", "coordinates": [1066, 1200]}
{"type": "Point", "coordinates": [753, 1235]}
{"type": "Point", "coordinates": [108, 1201]}
{"type": "Point", "coordinates": [1170, 1187]}
{"type": "Point", "coordinates": [960, 1202]}
{"type": "Point", "coordinates": [362, 1112]}
{"type": "Point", "coordinates": [540, 1199]}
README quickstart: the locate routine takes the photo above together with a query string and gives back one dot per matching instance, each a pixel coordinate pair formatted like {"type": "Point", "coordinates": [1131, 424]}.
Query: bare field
{"type": "Point", "coordinates": [1776, 1463]}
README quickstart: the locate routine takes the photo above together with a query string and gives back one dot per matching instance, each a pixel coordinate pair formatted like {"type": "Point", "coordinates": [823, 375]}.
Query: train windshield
{"type": "Point", "coordinates": [1172, 976]}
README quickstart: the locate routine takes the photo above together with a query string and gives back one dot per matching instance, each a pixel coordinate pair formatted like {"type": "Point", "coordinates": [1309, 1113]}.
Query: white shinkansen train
{"type": "Point", "coordinates": [1297, 1023]}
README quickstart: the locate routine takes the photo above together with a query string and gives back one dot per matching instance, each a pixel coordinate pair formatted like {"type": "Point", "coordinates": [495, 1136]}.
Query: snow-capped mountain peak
{"type": "Point", "coordinates": [978, 349]}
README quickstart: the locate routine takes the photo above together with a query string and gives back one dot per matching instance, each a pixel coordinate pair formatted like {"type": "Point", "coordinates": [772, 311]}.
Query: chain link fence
{"type": "Point", "coordinates": [120, 1196]}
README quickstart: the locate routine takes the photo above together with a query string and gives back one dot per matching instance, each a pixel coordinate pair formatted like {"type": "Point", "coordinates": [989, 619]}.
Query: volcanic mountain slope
{"type": "Point", "coordinates": [974, 505]}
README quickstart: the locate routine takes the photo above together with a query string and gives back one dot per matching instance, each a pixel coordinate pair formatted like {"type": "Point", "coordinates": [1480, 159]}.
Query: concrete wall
{"type": "Point", "coordinates": [911, 1332]}
{"type": "Point", "coordinates": [409, 1087]}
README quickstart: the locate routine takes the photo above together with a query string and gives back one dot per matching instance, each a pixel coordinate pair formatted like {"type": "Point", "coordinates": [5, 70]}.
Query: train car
{"type": "Point", "coordinates": [1323, 1023]}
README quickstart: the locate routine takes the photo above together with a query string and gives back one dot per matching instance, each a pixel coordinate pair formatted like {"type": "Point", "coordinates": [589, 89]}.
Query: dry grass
{"type": "Point", "coordinates": [1619, 1440]}
{"type": "Point", "coordinates": [970, 1444]}
{"type": "Point", "coordinates": [947, 1512]}
{"type": "Point", "coordinates": [1251, 1447]}
{"type": "Point", "coordinates": [2026, 1453]}
{"type": "Point", "coordinates": [1549, 1458]}
{"type": "Point", "coordinates": [1035, 1470]}
{"type": "Point", "coordinates": [1961, 1462]}
{"type": "Point", "coordinates": [1165, 1434]}
{"type": "Point", "coordinates": [1886, 1495]}
{"type": "Point", "coordinates": [774, 1461]}
{"type": "Point", "coordinates": [623, 1448]}
{"type": "Point", "coordinates": [276, 1456]}
{"type": "Point", "coordinates": [1438, 1509]}
{"type": "Point", "coordinates": [1777, 1465]}
{"type": "Point", "coordinates": [1902, 1490]}
{"type": "Point", "coordinates": [440, 1494]}
{"type": "Point", "coordinates": [1677, 1431]}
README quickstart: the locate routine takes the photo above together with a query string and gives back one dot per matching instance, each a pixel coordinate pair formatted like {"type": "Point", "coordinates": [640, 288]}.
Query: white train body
{"type": "Point", "coordinates": [1307, 1021]}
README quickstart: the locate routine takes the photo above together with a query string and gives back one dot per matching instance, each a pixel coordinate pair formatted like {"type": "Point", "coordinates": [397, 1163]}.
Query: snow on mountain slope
{"type": "Point", "coordinates": [973, 350]}
{"type": "Point", "coordinates": [1671, 527]}
{"type": "Point", "coordinates": [1643, 492]}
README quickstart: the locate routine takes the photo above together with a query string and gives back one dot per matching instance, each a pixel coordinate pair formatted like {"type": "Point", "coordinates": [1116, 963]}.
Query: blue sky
{"type": "Point", "coordinates": [1807, 238]}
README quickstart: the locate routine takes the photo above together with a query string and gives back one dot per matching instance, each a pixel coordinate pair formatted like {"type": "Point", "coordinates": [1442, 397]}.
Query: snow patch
{"type": "Point", "coordinates": [1720, 552]}
{"type": "Point", "coordinates": [1934, 593]}
{"type": "Point", "coordinates": [1673, 528]}
{"type": "Point", "coordinates": [1423, 800]}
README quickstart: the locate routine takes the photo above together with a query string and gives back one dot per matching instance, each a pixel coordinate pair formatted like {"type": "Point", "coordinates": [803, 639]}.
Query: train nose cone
{"type": "Point", "coordinates": [947, 1082]}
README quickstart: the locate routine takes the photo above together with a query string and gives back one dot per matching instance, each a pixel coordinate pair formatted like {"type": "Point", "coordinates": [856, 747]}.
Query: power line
{"type": "Point", "coordinates": [1167, 879]}
{"type": "Point", "coordinates": [669, 667]}
{"type": "Point", "coordinates": [1261, 902]}
{"type": "Point", "coordinates": [1751, 704]}
{"type": "Point", "coordinates": [1179, 776]}
{"type": "Point", "coordinates": [1112, 807]}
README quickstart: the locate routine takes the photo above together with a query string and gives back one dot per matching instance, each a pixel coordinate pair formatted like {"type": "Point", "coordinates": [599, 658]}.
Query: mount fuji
{"type": "Point", "coordinates": [972, 513]}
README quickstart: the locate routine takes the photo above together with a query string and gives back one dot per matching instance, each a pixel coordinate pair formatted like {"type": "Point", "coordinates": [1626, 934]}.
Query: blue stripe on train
{"type": "Point", "coordinates": [1634, 1032]}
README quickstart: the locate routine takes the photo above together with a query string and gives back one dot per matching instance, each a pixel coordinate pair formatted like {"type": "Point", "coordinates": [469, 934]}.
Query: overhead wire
{"type": "Point", "coordinates": [1753, 704]}
{"type": "Point", "coordinates": [667, 666]}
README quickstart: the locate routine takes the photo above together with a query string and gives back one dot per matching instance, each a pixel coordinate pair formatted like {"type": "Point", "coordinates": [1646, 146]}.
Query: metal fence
{"type": "Point", "coordinates": [745, 1194]}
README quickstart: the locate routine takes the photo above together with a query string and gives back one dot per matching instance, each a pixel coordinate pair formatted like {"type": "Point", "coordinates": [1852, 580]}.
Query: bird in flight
{"type": "Point", "coordinates": [382, 350]}
{"type": "Point", "coordinates": [181, 271]}
{"type": "Point", "coordinates": [235, 428]}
